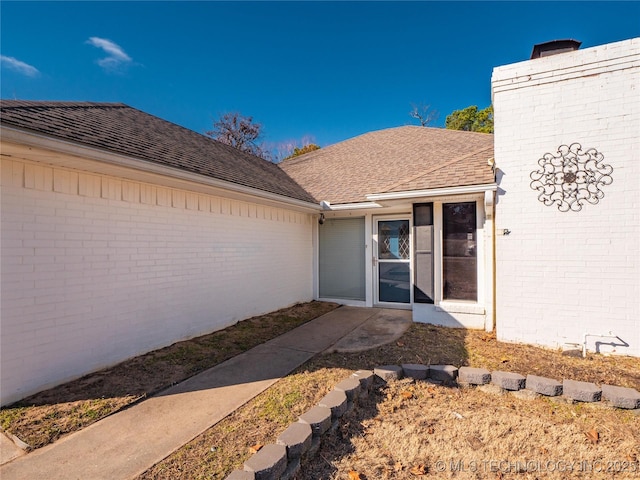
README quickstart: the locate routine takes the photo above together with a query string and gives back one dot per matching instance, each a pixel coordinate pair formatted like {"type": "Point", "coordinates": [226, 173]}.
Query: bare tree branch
{"type": "Point", "coordinates": [424, 114]}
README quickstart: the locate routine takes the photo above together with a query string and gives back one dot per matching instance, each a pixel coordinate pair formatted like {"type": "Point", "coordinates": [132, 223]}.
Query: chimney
{"type": "Point", "coordinates": [554, 47]}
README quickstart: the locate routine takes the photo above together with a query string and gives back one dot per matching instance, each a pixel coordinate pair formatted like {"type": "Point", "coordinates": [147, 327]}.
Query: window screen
{"type": "Point", "coordinates": [342, 256]}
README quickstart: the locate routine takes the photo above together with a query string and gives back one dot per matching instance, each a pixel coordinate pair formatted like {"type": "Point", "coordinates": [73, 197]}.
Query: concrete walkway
{"type": "Point", "coordinates": [129, 442]}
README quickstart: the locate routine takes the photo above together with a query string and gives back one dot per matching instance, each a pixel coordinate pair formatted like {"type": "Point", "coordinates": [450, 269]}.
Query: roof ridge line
{"type": "Point", "coordinates": [433, 169]}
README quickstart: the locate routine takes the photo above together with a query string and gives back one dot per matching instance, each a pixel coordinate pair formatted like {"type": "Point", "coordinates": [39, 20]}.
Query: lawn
{"type": "Point", "coordinates": [43, 418]}
{"type": "Point", "coordinates": [419, 430]}
{"type": "Point", "coordinates": [402, 430]}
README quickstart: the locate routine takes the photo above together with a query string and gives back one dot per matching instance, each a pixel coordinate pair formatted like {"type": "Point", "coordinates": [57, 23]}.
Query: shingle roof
{"type": "Point", "coordinates": [394, 160]}
{"type": "Point", "coordinates": [118, 128]}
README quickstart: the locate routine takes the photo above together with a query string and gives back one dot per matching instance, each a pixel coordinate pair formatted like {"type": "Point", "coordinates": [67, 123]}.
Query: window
{"type": "Point", "coordinates": [342, 256]}
{"type": "Point", "coordinates": [423, 285]}
{"type": "Point", "coordinates": [459, 262]}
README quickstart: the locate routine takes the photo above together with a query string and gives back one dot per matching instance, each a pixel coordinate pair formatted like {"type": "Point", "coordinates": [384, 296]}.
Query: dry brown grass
{"type": "Point", "coordinates": [391, 434]}
{"type": "Point", "coordinates": [43, 418]}
{"type": "Point", "coordinates": [418, 430]}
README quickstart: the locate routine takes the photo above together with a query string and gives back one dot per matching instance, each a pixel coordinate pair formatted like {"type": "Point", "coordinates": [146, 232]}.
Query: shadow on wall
{"type": "Point", "coordinates": [500, 192]}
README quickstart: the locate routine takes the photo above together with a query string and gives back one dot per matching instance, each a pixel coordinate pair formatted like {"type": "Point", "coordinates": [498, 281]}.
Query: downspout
{"type": "Point", "coordinates": [495, 264]}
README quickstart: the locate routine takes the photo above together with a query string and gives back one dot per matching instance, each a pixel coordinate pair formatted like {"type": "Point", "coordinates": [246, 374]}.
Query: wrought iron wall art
{"type": "Point", "coordinates": [571, 177]}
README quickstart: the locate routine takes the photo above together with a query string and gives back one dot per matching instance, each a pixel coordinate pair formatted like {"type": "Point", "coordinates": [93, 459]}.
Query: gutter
{"type": "Point", "coordinates": [66, 147]}
{"type": "Point", "coordinates": [348, 206]}
{"type": "Point", "coordinates": [489, 187]}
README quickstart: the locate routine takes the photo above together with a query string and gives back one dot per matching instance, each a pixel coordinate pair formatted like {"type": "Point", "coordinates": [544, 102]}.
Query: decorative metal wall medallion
{"type": "Point", "coordinates": [571, 177]}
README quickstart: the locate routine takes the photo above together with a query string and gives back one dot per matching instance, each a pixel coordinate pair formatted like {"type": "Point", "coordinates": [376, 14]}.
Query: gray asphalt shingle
{"type": "Point", "coordinates": [394, 160]}
{"type": "Point", "coordinates": [118, 128]}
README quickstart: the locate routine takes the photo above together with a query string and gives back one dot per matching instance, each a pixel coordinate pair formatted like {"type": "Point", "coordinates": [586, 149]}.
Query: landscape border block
{"type": "Point", "coordinates": [621, 397]}
{"type": "Point", "coordinates": [544, 386]}
{"type": "Point", "coordinates": [508, 380]}
{"type": "Point", "coordinates": [268, 463]}
{"type": "Point", "coordinates": [474, 376]}
{"type": "Point", "coordinates": [581, 391]}
{"type": "Point", "coordinates": [388, 372]}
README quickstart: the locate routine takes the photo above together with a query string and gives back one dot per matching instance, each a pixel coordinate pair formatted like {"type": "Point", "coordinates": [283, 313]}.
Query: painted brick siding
{"type": "Point", "coordinates": [97, 269]}
{"type": "Point", "coordinates": [561, 275]}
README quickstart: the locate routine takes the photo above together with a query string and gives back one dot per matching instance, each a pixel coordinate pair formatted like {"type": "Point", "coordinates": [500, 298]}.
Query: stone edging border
{"type": "Point", "coordinates": [281, 460]}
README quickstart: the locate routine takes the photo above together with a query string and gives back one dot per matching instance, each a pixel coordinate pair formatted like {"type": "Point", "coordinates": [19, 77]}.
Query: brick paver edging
{"type": "Point", "coordinates": [301, 440]}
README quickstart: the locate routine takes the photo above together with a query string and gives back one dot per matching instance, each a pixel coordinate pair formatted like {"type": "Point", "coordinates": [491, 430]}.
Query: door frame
{"type": "Point", "coordinates": [376, 261]}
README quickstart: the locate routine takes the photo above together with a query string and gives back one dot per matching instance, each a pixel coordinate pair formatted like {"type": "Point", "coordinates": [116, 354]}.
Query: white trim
{"type": "Point", "coordinates": [343, 301]}
{"type": "Point", "coordinates": [417, 194]}
{"type": "Point", "coordinates": [350, 206]}
{"type": "Point", "coordinates": [451, 306]}
{"type": "Point", "coordinates": [69, 148]}
{"type": "Point", "coordinates": [375, 261]}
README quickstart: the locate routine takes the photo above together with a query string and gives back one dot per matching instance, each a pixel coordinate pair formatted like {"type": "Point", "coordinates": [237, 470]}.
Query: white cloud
{"type": "Point", "coordinates": [116, 58]}
{"type": "Point", "coordinates": [18, 66]}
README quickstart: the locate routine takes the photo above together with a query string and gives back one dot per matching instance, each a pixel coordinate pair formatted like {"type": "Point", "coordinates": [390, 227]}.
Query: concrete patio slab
{"type": "Point", "coordinates": [384, 327]}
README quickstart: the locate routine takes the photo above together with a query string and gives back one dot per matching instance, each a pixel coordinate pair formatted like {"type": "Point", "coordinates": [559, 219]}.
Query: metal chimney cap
{"type": "Point", "coordinates": [554, 47]}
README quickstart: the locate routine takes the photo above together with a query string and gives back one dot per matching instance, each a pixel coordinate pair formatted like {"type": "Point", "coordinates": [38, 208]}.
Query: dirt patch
{"type": "Point", "coordinates": [42, 418]}
{"type": "Point", "coordinates": [397, 435]}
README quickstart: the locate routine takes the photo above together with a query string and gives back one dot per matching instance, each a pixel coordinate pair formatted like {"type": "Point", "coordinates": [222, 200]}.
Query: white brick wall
{"type": "Point", "coordinates": [561, 275]}
{"type": "Point", "coordinates": [97, 269]}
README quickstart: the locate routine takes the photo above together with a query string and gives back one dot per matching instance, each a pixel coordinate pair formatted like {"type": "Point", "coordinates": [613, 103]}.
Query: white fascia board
{"type": "Point", "coordinates": [66, 147]}
{"type": "Point", "coordinates": [435, 192]}
{"type": "Point", "coordinates": [353, 206]}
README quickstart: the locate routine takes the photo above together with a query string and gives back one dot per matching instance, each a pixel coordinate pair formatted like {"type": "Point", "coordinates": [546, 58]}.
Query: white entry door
{"type": "Point", "coordinates": [392, 261]}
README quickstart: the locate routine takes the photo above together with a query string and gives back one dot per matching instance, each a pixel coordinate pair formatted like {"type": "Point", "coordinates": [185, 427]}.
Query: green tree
{"type": "Point", "coordinates": [471, 119]}
{"type": "Point", "coordinates": [302, 150]}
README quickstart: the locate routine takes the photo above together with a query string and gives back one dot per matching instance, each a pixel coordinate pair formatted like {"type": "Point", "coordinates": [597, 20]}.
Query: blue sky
{"type": "Point", "coordinates": [325, 70]}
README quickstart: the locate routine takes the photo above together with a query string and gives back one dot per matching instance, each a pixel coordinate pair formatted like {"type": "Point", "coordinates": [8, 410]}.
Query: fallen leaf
{"type": "Point", "coordinates": [406, 394]}
{"type": "Point", "coordinates": [418, 470]}
{"type": "Point", "coordinates": [474, 442]}
{"type": "Point", "coordinates": [593, 435]}
{"type": "Point", "coordinates": [431, 430]}
{"type": "Point", "coordinates": [504, 359]}
{"type": "Point", "coordinates": [256, 448]}
{"type": "Point", "coordinates": [353, 475]}
{"type": "Point", "coordinates": [400, 344]}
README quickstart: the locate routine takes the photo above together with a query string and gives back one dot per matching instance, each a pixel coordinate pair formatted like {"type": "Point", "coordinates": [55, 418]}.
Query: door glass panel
{"type": "Point", "coordinates": [460, 271]}
{"type": "Point", "coordinates": [394, 282]}
{"type": "Point", "coordinates": [393, 240]}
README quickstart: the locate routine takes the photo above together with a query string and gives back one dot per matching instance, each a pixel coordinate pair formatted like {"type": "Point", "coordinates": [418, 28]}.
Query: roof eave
{"type": "Point", "coordinates": [32, 139]}
{"type": "Point", "coordinates": [434, 192]}
{"type": "Point", "coordinates": [349, 206]}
